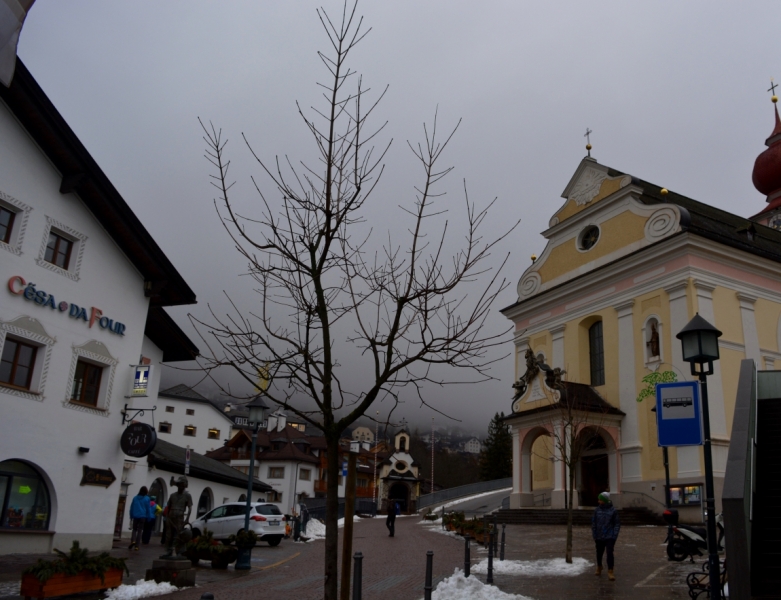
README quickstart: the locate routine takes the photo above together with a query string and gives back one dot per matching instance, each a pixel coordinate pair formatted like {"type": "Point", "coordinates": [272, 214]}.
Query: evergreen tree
{"type": "Point", "coordinates": [496, 458]}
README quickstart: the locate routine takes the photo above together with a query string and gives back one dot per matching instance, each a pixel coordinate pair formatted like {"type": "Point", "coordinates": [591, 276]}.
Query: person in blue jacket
{"type": "Point", "coordinates": [605, 525]}
{"type": "Point", "coordinates": [140, 512]}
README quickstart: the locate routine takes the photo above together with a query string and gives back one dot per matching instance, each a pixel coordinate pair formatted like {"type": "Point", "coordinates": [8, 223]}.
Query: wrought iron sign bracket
{"type": "Point", "coordinates": [139, 412]}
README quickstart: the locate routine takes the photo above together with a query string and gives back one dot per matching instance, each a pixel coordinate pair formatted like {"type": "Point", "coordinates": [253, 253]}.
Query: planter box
{"type": "Point", "coordinates": [64, 585]}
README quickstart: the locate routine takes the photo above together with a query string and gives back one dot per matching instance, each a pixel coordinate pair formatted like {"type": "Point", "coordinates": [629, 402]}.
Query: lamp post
{"type": "Point", "coordinates": [257, 413]}
{"type": "Point", "coordinates": [700, 341]}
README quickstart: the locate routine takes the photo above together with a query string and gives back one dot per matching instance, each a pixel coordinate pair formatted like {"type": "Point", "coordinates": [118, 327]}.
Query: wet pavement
{"type": "Point", "coordinates": [394, 568]}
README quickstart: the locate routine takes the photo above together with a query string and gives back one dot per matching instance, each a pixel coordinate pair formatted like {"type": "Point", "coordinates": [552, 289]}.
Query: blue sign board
{"type": "Point", "coordinates": [344, 469]}
{"type": "Point", "coordinates": [679, 414]}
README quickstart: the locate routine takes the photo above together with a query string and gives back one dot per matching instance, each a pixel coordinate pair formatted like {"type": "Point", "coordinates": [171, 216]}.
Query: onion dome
{"type": "Point", "coordinates": [767, 167]}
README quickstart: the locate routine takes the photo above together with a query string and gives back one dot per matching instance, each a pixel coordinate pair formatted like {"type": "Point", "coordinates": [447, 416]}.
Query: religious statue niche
{"type": "Point", "coordinates": [653, 352]}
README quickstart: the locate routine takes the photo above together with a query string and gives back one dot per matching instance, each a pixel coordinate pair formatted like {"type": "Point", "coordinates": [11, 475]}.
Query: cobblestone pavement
{"type": "Point", "coordinates": [394, 568]}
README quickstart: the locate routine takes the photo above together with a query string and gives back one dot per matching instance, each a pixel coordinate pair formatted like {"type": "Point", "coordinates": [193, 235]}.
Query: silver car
{"type": "Point", "coordinates": [266, 520]}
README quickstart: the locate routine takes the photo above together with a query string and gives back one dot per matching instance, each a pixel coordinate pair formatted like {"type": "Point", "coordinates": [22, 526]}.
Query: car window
{"type": "Point", "coordinates": [217, 513]}
{"type": "Point", "coordinates": [267, 509]}
{"type": "Point", "coordinates": [235, 511]}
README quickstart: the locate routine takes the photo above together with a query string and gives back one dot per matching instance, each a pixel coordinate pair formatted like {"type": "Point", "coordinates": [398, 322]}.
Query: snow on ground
{"type": "Point", "coordinates": [458, 587]}
{"type": "Point", "coordinates": [551, 566]}
{"type": "Point", "coordinates": [467, 498]}
{"type": "Point", "coordinates": [315, 529]}
{"type": "Point", "coordinates": [142, 589]}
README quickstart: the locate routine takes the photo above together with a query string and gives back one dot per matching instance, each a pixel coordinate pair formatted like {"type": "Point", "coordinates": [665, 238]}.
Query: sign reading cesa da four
{"type": "Point", "coordinates": [18, 286]}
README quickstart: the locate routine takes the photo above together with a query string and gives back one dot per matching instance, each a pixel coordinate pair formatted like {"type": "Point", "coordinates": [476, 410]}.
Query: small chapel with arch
{"type": "Point", "coordinates": [400, 476]}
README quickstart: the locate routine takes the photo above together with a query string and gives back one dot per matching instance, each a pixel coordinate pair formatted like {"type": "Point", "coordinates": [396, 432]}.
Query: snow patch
{"type": "Point", "coordinates": [458, 587]}
{"type": "Point", "coordinates": [142, 589]}
{"type": "Point", "coordinates": [535, 568]}
{"type": "Point", "coordinates": [315, 529]}
{"type": "Point", "coordinates": [467, 498]}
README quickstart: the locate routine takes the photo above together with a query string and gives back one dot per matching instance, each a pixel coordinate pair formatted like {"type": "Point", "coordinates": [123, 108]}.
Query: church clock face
{"type": "Point", "coordinates": [589, 237]}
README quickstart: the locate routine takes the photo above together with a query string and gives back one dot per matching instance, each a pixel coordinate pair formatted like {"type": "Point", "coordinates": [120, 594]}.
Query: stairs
{"type": "Point", "coordinates": [581, 516]}
{"type": "Point", "coordinates": [766, 530]}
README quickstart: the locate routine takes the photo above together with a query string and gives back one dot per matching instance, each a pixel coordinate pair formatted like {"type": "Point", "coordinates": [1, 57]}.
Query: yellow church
{"type": "Point", "coordinates": [627, 264]}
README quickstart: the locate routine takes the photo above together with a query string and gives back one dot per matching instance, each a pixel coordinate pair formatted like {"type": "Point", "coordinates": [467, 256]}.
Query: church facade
{"type": "Point", "coordinates": [626, 266]}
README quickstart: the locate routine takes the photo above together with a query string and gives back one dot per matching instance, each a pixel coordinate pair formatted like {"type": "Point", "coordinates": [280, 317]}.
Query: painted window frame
{"type": "Point", "coordinates": [77, 251]}
{"type": "Point", "coordinates": [29, 331]}
{"type": "Point", "coordinates": [97, 353]}
{"type": "Point", "coordinates": [19, 226]}
{"type": "Point", "coordinates": [276, 472]}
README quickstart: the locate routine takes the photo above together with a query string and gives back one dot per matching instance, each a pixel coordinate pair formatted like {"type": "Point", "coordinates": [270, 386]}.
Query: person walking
{"type": "Point", "coordinates": [150, 523]}
{"type": "Point", "coordinates": [140, 512]}
{"type": "Point", "coordinates": [605, 525]}
{"type": "Point", "coordinates": [390, 522]}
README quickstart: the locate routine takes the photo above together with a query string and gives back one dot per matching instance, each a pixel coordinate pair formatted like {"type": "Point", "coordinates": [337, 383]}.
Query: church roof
{"type": "Point", "coordinates": [580, 397]}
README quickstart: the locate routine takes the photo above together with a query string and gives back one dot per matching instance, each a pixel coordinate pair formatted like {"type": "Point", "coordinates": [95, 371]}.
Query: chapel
{"type": "Point", "coordinates": [626, 265]}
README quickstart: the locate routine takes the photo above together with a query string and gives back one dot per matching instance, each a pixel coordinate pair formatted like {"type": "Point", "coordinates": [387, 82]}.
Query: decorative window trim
{"type": "Point", "coordinates": [22, 213]}
{"type": "Point", "coordinates": [582, 234]}
{"type": "Point", "coordinates": [652, 363]}
{"type": "Point", "coordinates": [31, 330]}
{"type": "Point", "coordinates": [77, 253]}
{"type": "Point", "coordinates": [96, 352]}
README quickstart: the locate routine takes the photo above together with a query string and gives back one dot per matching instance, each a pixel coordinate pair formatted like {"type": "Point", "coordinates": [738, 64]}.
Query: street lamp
{"type": "Point", "coordinates": [257, 414]}
{"type": "Point", "coordinates": [700, 341]}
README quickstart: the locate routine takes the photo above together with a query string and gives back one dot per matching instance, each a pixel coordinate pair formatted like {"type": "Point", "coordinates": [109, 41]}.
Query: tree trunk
{"type": "Point", "coordinates": [568, 555]}
{"type": "Point", "coordinates": [331, 587]}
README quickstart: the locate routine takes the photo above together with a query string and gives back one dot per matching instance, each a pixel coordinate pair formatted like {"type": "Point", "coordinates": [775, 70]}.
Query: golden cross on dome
{"type": "Point", "coordinates": [588, 140]}
{"type": "Point", "coordinates": [772, 89]}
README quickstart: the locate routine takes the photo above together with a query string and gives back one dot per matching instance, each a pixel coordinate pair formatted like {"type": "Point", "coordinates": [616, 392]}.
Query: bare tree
{"type": "Point", "coordinates": [324, 296]}
{"type": "Point", "coordinates": [572, 419]}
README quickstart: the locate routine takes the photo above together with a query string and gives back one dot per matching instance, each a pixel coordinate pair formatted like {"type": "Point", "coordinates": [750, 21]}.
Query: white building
{"type": "Point", "coordinates": [186, 418]}
{"type": "Point", "coordinates": [363, 434]}
{"type": "Point", "coordinates": [473, 446]}
{"type": "Point", "coordinates": [84, 286]}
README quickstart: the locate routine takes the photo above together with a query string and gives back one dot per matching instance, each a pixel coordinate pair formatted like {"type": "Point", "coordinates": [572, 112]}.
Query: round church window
{"type": "Point", "coordinates": [589, 237]}
{"type": "Point", "coordinates": [400, 466]}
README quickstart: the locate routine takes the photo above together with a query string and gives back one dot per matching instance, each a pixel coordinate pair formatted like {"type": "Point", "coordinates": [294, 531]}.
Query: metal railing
{"type": "Point", "coordinates": [544, 499]}
{"type": "Point", "coordinates": [462, 491]}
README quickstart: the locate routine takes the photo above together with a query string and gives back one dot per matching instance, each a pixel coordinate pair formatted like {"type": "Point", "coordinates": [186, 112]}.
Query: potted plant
{"type": "Point", "coordinates": [72, 573]}
{"type": "Point", "coordinates": [205, 547]}
{"type": "Point", "coordinates": [244, 539]}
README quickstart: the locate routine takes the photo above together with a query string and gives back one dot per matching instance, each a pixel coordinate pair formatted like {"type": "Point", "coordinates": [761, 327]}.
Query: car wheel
{"type": "Point", "coordinates": [274, 541]}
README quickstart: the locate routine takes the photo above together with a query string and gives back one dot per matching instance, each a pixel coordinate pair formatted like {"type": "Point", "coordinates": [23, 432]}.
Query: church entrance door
{"type": "Point", "coordinates": [594, 477]}
{"type": "Point", "coordinates": [399, 492]}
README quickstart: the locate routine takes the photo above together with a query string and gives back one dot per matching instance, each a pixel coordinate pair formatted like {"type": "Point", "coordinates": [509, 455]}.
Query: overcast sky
{"type": "Point", "coordinates": [675, 93]}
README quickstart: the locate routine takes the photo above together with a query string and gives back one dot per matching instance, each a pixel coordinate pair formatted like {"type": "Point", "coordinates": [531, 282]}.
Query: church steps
{"type": "Point", "coordinates": [581, 516]}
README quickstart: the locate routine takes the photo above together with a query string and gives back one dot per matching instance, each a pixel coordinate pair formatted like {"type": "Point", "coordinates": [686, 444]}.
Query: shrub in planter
{"type": "Point", "coordinates": [72, 573]}
{"type": "Point", "coordinates": [205, 547]}
{"type": "Point", "coordinates": [244, 539]}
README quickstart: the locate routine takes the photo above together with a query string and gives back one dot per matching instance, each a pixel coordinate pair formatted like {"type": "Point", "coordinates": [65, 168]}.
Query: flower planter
{"type": "Point", "coordinates": [60, 584]}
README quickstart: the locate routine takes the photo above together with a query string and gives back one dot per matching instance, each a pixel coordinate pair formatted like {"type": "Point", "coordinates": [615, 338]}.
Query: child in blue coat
{"type": "Point", "coordinates": [605, 525]}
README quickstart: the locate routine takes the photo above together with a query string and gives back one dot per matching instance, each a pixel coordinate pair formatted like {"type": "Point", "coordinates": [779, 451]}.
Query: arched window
{"type": "Point", "coordinates": [596, 350]}
{"type": "Point", "coordinates": [204, 502]}
{"type": "Point", "coordinates": [24, 497]}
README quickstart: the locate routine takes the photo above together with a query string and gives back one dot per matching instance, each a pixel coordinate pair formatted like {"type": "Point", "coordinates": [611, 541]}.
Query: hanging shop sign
{"type": "Point", "coordinates": [93, 316]}
{"type": "Point", "coordinates": [141, 377]}
{"type": "Point", "coordinates": [99, 477]}
{"type": "Point", "coordinates": [138, 440]}
{"type": "Point", "coordinates": [678, 414]}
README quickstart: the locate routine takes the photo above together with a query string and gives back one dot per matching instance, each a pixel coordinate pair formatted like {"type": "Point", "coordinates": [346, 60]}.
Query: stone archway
{"type": "Point", "coordinates": [205, 502]}
{"type": "Point", "coordinates": [596, 471]}
{"type": "Point", "coordinates": [158, 490]}
{"type": "Point", "coordinates": [399, 492]}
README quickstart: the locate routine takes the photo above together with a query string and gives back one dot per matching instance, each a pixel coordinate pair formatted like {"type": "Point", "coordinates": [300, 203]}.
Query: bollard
{"type": "Point", "coordinates": [496, 538]}
{"type": "Point", "coordinates": [358, 559]}
{"type": "Point", "coordinates": [501, 554]}
{"type": "Point", "coordinates": [207, 596]}
{"type": "Point", "coordinates": [486, 529]}
{"type": "Point", "coordinates": [467, 558]}
{"type": "Point", "coordinates": [429, 567]}
{"type": "Point", "coordinates": [490, 577]}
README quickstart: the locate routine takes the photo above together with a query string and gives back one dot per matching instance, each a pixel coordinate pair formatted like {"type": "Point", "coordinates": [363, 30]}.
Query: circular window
{"type": "Point", "coordinates": [400, 466]}
{"type": "Point", "coordinates": [589, 237]}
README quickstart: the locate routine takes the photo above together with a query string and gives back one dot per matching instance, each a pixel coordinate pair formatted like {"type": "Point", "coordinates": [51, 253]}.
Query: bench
{"type": "Point", "coordinates": [699, 581]}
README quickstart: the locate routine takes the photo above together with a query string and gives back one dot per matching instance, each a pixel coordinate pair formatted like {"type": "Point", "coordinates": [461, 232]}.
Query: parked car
{"type": "Point", "coordinates": [266, 520]}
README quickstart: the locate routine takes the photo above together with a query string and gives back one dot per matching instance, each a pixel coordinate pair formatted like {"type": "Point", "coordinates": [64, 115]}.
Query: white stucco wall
{"type": "Point", "coordinates": [44, 429]}
{"type": "Point", "coordinates": [204, 417]}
